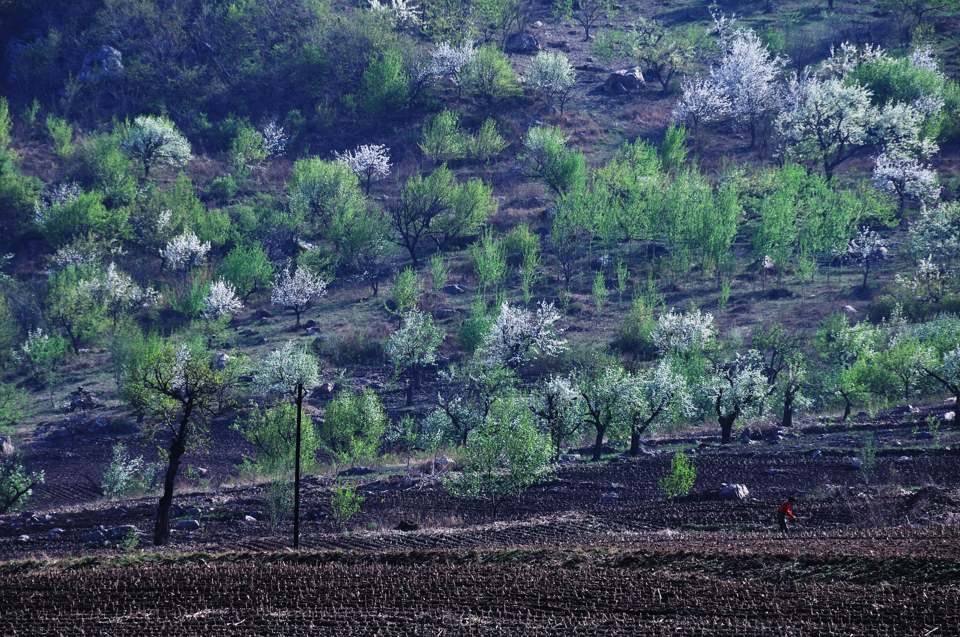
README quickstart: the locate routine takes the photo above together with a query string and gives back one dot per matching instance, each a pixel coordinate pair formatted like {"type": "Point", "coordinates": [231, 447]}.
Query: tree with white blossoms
{"type": "Point", "coordinates": [122, 295]}
{"type": "Point", "coordinates": [154, 141]}
{"type": "Point", "coordinates": [556, 404]}
{"type": "Point", "coordinates": [826, 120]}
{"type": "Point", "coordinates": [184, 252]}
{"type": "Point", "coordinates": [298, 291]}
{"type": "Point", "coordinates": [220, 301]}
{"type": "Point", "coordinates": [701, 102]}
{"type": "Point", "coordinates": [898, 130]}
{"type": "Point", "coordinates": [655, 396]}
{"type": "Point", "coordinates": [551, 74]}
{"type": "Point", "coordinates": [736, 388]}
{"type": "Point", "coordinates": [603, 393]}
{"type": "Point", "coordinates": [451, 60]}
{"type": "Point", "coordinates": [748, 75]}
{"type": "Point", "coordinates": [906, 177]}
{"type": "Point", "coordinates": [289, 371]}
{"type": "Point", "coordinates": [866, 250]}
{"type": "Point", "coordinates": [517, 334]}
{"type": "Point", "coordinates": [414, 346]}
{"type": "Point", "coordinates": [683, 334]}
{"type": "Point", "coordinates": [936, 233]}
{"type": "Point", "coordinates": [370, 162]}
{"type": "Point", "coordinates": [947, 372]}
{"type": "Point", "coordinates": [403, 12]}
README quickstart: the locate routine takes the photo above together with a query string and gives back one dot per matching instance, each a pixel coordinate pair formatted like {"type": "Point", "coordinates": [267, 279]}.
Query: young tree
{"type": "Point", "coordinates": [290, 370]}
{"type": "Point", "coordinates": [558, 167]}
{"type": "Point", "coordinates": [736, 389]}
{"type": "Point", "coordinates": [325, 191]}
{"type": "Point", "coordinates": [552, 75]}
{"type": "Point", "coordinates": [472, 389]}
{"type": "Point", "coordinates": [122, 295]}
{"type": "Point", "coordinates": [181, 387]}
{"type": "Point", "coordinates": [845, 350]}
{"type": "Point", "coordinates": [701, 102]}
{"type": "Point", "coordinates": [297, 292]}
{"type": "Point", "coordinates": [218, 307]}
{"type": "Point", "coordinates": [505, 457]}
{"type": "Point", "coordinates": [353, 426]}
{"type": "Point", "coordinates": [517, 334]}
{"type": "Point", "coordinates": [489, 75]}
{"type": "Point", "coordinates": [74, 305]}
{"type": "Point", "coordinates": [184, 252]}
{"type": "Point", "coordinates": [947, 372]}
{"type": "Point", "coordinates": [906, 178]}
{"type": "Point", "coordinates": [154, 141]}
{"type": "Point", "coordinates": [372, 163]}
{"type": "Point", "coordinates": [586, 12]}
{"type": "Point", "coordinates": [683, 334]}
{"type": "Point", "coordinates": [248, 269]}
{"type": "Point", "coordinates": [413, 346]}
{"type": "Point", "coordinates": [655, 396]}
{"type": "Point", "coordinates": [662, 52]}
{"type": "Point", "coordinates": [866, 250]}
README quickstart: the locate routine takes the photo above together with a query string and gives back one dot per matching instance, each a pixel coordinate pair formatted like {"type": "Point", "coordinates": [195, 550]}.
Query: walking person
{"type": "Point", "coordinates": [783, 511]}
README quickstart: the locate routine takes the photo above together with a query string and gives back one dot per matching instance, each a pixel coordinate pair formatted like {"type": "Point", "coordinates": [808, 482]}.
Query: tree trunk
{"type": "Point", "coordinates": [787, 409]}
{"type": "Point", "coordinates": [598, 444]}
{"type": "Point", "coordinates": [847, 407]}
{"type": "Point", "coordinates": [726, 428]}
{"type": "Point", "coordinates": [634, 444]}
{"type": "Point", "coordinates": [296, 472]}
{"type": "Point", "coordinates": [161, 532]}
{"type": "Point", "coordinates": [410, 393]}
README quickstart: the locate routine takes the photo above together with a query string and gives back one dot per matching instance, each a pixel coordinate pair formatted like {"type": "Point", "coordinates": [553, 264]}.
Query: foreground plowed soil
{"type": "Point", "coordinates": [735, 585]}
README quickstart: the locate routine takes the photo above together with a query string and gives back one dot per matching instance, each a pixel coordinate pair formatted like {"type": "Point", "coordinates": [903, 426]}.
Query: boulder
{"type": "Point", "coordinates": [924, 435]}
{"type": "Point", "coordinates": [855, 463]}
{"type": "Point", "coordinates": [356, 471]}
{"type": "Point", "coordinates": [82, 400]}
{"type": "Point", "coordinates": [220, 360]}
{"type": "Point", "coordinates": [93, 537]}
{"type": "Point", "coordinates": [118, 533]}
{"type": "Point", "coordinates": [187, 525]}
{"type": "Point", "coordinates": [609, 497]}
{"type": "Point", "coordinates": [613, 486]}
{"type": "Point", "coordinates": [815, 453]}
{"type": "Point", "coordinates": [734, 492]}
{"type": "Point", "coordinates": [453, 288]}
{"type": "Point", "coordinates": [6, 447]}
{"type": "Point", "coordinates": [193, 512]}
{"type": "Point", "coordinates": [325, 389]}
{"type": "Point", "coordinates": [23, 538]}
{"type": "Point", "coordinates": [445, 313]}
{"type": "Point", "coordinates": [54, 532]}
{"type": "Point", "coordinates": [903, 411]}
{"type": "Point", "coordinates": [950, 416]}
{"type": "Point", "coordinates": [249, 519]}
{"type": "Point", "coordinates": [315, 516]}
{"type": "Point", "coordinates": [443, 464]}
{"type": "Point", "coordinates": [103, 63]}
{"type": "Point", "coordinates": [259, 516]}
{"type": "Point", "coordinates": [407, 526]}
{"type": "Point", "coordinates": [522, 43]}
{"type": "Point", "coordinates": [624, 81]}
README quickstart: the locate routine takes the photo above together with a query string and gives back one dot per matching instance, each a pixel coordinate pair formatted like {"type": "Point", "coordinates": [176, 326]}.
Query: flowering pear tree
{"type": "Point", "coordinates": [371, 163]}
{"type": "Point", "coordinates": [154, 141]}
{"type": "Point", "coordinates": [701, 102]}
{"type": "Point", "coordinates": [603, 395]}
{"type": "Point", "coordinates": [947, 372]}
{"type": "Point", "coordinates": [552, 75]}
{"type": "Point", "coordinates": [184, 252]}
{"type": "Point", "coordinates": [289, 370]}
{"type": "Point", "coordinates": [122, 295]}
{"type": "Point", "coordinates": [906, 178]}
{"type": "Point", "coordinates": [298, 291]}
{"type": "Point", "coordinates": [450, 60]}
{"type": "Point", "coordinates": [517, 334]}
{"type": "Point", "coordinates": [683, 334]}
{"type": "Point", "coordinates": [413, 346]}
{"type": "Point", "coordinates": [747, 75]}
{"type": "Point", "coordinates": [655, 396]}
{"type": "Point", "coordinates": [556, 404]}
{"type": "Point", "coordinates": [220, 301]}
{"type": "Point", "coordinates": [736, 389]}
{"type": "Point", "coordinates": [866, 250]}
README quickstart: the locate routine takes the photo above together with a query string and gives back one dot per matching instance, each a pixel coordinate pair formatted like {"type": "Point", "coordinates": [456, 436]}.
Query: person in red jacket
{"type": "Point", "coordinates": [783, 511]}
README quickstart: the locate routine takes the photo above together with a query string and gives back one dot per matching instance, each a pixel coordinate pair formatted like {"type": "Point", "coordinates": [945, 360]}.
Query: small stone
{"type": "Point", "coordinates": [949, 416]}
{"type": "Point", "coordinates": [192, 512]}
{"type": "Point", "coordinates": [855, 463]}
{"type": "Point", "coordinates": [23, 538]}
{"type": "Point", "coordinates": [249, 519]}
{"type": "Point", "coordinates": [54, 532]}
{"type": "Point", "coordinates": [119, 533]}
{"type": "Point", "coordinates": [613, 486]}
{"type": "Point", "coordinates": [816, 453]}
{"type": "Point", "coordinates": [903, 459]}
{"type": "Point", "coordinates": [609, 497]}
{"type": "Point", "coordinates": [259, 516]}
{"type": "Point", "coordinates": [407, 526]}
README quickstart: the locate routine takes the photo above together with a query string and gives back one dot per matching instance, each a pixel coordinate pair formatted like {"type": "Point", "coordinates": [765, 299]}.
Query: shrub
{"type": "Point", "coordinates": [407, 290]}
{"type": "Point", "coordinates": [278, 502]}
{"type": "Point", "coordinates": [61, 132]}
{"type": "Point", "coordinates": [679, 481]}
{"type": "Point", "coordinates": [635, 330]}
{"type": "Point", "coordinates": [354, 425]}
{"type": "Point", "coordinates": [223, 188]}
{"type": "Point", "coordinates": [249, 269]}
{"type": "Point", "coordinates": [384, 87]}
{"type": "Point", "coordinates": [443, 138]}
{"type": "Point", "coordinates": [487, 143]}
{"type": "Point", "coordinates": [272, 431]}
{"type": "Point", "coordinates": [490, 76]}
{"type": "Point", "coordinates": [474, 328]}
{"type": "Point", "coordinates": [16, 485]}
{"type": "Point", "coordinates": [345, 503]}
{"type": "Point", "coordinates": [126, 475]}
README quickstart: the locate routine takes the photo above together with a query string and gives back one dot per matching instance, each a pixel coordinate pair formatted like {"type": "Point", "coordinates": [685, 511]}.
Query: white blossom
{"type": "Point", "coordinates": [74, 255]}
{"type": "Point", "coordinates": [449, 60]}
{"type": "Point", "coordinates": [155, 140]}
{"type": "Point", "coordinates": [923, 58]}
{"type": "Point", "coordinates": [551, 74]}
{"type": "Point", "coordinates": [415, 344]}
{"type": "Point", "coordinates": [747, 75]}
{"type": "Point", "coordinates": [657, 394]}
{"type": "Point", "coordinates": [701, 102]}
{"type": "Point", "coordinates": [517, 333]}
{"type": "Point", "coordinates": [220, 300]}
{"type": "Point", "coordinates": [122, 295]}
{"type": "Point", "coordinates": [185, 251]}
{"type": "Point", "coordinates": [404, 12]}
{"type": "Point", "coordinates": [683, 333]}
{"type": "Point", "coordinates": [899, 130]}
{"type": "Point", "coordinates": [285, 369]}
{"type": "Point", "coordinates": [906, 177]}
{"type": "Point", "coordinates": [274, 138]}
{"type": "Point", "coordinates": [298, 291]}
{"type": "Point", "coordinates": [937, 232]}
{"type": "Point", "coordinates": [371, 162]}
{"type": "Point", "coordinates": [736, 388]}
{"type": "Point", "coordinates": [842, 63]}
{"type": "Point", "coordinates": [46, 209]}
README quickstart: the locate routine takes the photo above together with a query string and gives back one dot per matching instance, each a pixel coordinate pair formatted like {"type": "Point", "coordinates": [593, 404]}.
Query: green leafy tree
{"type": "Point", "coordinates": [328, 192]}
{"type": "Point", "coordinates": [490, 76]}
{"type": "Point", "coordinates": [248, 269]}
{"type": "Point", "coordinates": [587, 13]}
{"type": "Point", "coordinates": [182, 389]}
{"type": "Point", "coordinates": [273, 430]}
{"type": "Point", "coordinates": [74, 305]}
{"type": "Point", "coordinates": [353, 426]}
{"type": "Point", "coordinates": [406, 292]}
{"type": "Point", "coordinates": [345, 503]}
{"type": "Point", "coordinates": [603, 393]}
{"type": "Point", "coordinates": [559, 168]}
{"type": "Point", "coordinates": [385, 86]}
{"type": "Point", "coordinates": [504, 457]}
{"type": "Point", "coordinates": [443, 137]}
